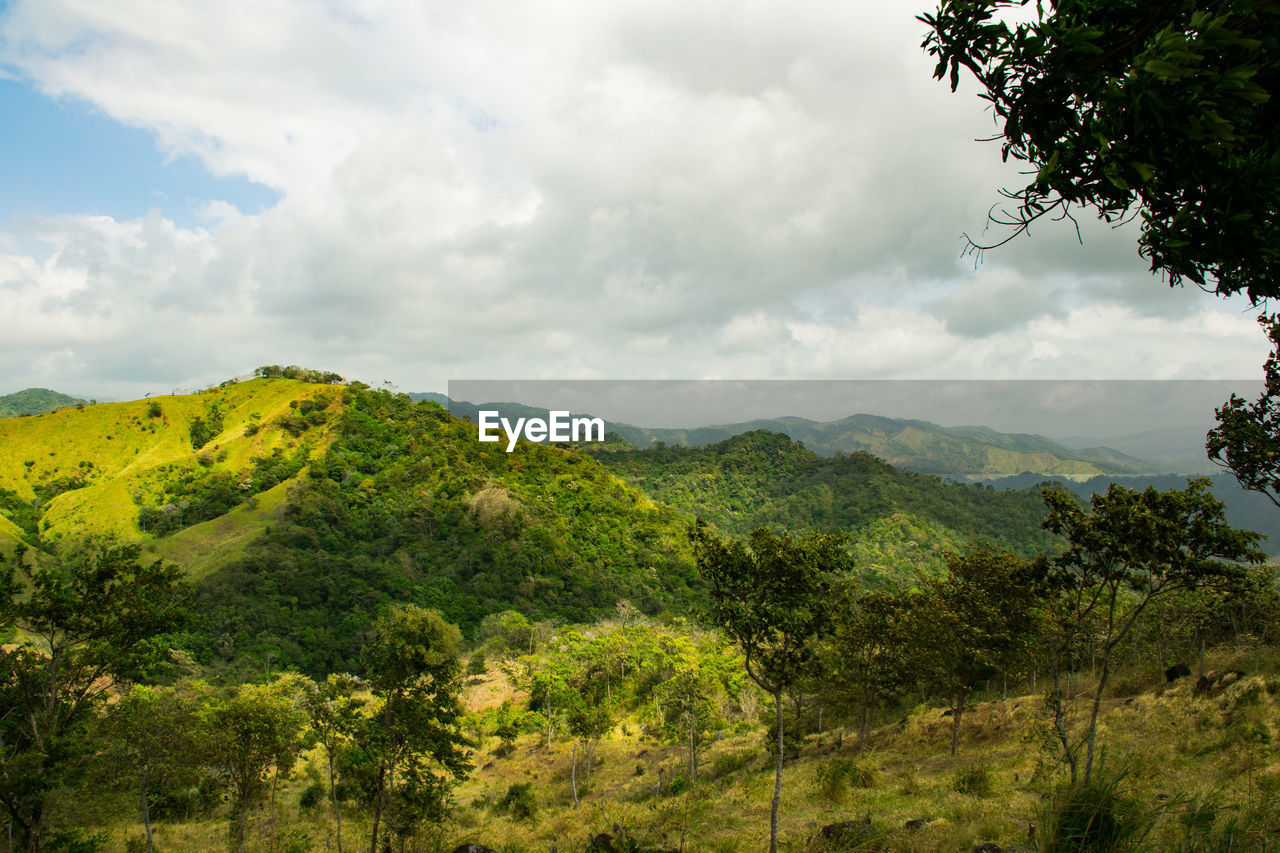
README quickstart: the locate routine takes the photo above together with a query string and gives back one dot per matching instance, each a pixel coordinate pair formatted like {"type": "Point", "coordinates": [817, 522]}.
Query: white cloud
{"type": "Point", "coordinates": [566, 189]}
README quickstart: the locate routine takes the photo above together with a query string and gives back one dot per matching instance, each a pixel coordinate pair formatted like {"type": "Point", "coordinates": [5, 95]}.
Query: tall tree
{"type": "Point", "coordinates": [406, 753]}
{"type": "Point", "coordinates": [867, 658]}
{"type": "Point", "coordinates": [772, 596]}
{"type": "Point", "coordinates": [1130, 549]}
{"type": "Point", "coordinates": [334, 712]}
{"type": "Point", "coordinates": [972, 623]}
{"type": "Point", "coordinates": [152, 740]}
{"type": "Point", "coordinates": [255, 736]}
{"type": "Point", "coordinates": [1166, 111]}
{"type": "Point", "coordinates": [82, 627]}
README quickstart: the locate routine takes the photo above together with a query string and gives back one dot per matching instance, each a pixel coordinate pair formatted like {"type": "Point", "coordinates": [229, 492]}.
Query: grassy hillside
{"type": "Point", "coordinates": [35, 401]}
{"type": "Point", "coordinates": [90, 472]}
{"type": "Point", "coordinates": [1192, 771]}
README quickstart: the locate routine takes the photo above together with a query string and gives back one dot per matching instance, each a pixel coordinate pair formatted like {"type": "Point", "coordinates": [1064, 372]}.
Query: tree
{"type": "Point", "coordinates": [588, 722]}
{"type": "Point", "coordinates": [973, 623]}
{"type": "Point", "coordinates": [84, 626]}
{"type": "Point", "coordinates": [334, 712]}
{"type": "Point", "coordinates": [1247, 437]}
{"type": "Point", "coordinates": [404, 754]}
{"type": "Point", "coordinates": [255, 736]}
{"type": "Point", "coordinates": [772, 596]}
{"type": "Point", "coordinates": [867, 657]}
{"type": "Point", "coordinates": [152, 739]}
{"type": "Point", "coordinates": [1125, 105]}
{"type": "Point", "coordinates": [1132, 548]}
{"type": "Point", "coordinates": [685, 701]}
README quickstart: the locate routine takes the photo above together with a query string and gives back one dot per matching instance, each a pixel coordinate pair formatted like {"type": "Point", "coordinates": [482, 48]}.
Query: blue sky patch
{"type": "Point", "coordinates": [61, 156]}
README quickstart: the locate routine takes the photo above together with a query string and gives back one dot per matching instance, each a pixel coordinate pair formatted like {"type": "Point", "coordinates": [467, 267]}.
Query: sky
{"type": "Point", "coordinates": [414, 192]}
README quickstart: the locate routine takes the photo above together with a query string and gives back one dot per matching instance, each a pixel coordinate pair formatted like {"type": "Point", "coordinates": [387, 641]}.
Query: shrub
{"type": "Point", "coordinates": [311, 796]}
{"type": "Point", "coordinates": [1094, 817]}
{"type": "Point", "coordinates": [519, 801]}
{"type": "Point", "coordinates": [974, 780]}
{"type": "Point", "coordinates": [839, 774]}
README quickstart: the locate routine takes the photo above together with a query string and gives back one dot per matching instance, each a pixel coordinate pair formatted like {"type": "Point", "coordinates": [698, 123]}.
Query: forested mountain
{"type": "Point", "coordinates": [901, 521]}
{"type": "Point", "coordinates": [35, 401]}
{"type": "Point", "coordinates": [300, 509]}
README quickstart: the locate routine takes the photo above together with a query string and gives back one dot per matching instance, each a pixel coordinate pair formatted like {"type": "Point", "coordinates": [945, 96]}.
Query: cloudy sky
{"type": "Point", "coordinates": [416, 191]}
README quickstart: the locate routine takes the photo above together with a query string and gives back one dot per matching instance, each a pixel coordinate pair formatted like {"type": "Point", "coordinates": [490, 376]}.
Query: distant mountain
{"type": "Point", "coordinates": [971, 453]}
{"type": "Point", "coordinates": [35, 401]}
{"type": "Point", "coordinates": [1179, 449]}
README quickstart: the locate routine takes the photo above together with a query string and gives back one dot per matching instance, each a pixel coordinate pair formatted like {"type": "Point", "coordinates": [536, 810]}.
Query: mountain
{"type": "Point", "coordinates": [972, 453]}
{"type": "Point", "coordinates": [901, 522]}
{"type": "Point", "coordinates": [1243, 509]}
{"type": "Point", "coordinates": [1171, 449]}
{"type": "Point", "coordinates": [299, 510]}
{"type": "Point", "coordinates": [35, 401]}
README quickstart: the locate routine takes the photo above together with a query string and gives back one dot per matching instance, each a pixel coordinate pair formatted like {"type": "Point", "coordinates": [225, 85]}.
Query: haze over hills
{"type": "Point", "coordinates": [972, 453]}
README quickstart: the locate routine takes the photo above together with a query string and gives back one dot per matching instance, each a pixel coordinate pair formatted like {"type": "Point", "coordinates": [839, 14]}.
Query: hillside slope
{"type": "Point", "coordinates": [91, 472]}
{"type": "Point", "coordinates": [900, 521]}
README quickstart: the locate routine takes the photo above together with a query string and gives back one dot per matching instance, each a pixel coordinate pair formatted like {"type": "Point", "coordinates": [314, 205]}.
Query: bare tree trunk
{"type": "Point", "coordinates": [777, 777]}
{"type": "Point", "coordinates": [957, 710]}
{"type": "Point", "coordinates": [333, 798]}
{"type": "Point", "coordinates": [146, 819]}
{"type": "Point", "coordinates": [1060, 719]}
{"type": "Point", "coordinates": [573, 774]}
{"type": "Point", "coordinates": [242, 822]}
{"type": "Point", "coordinates": [1093, 716]}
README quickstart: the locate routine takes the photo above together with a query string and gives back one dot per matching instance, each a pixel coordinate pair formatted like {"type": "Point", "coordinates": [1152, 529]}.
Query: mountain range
{"type": "Point", "coordinates": [298, 510]}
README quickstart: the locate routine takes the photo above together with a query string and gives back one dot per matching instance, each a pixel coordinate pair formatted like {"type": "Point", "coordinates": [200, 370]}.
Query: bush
{"type": "Point", "coordinates": [1094, 817]}
{"type": "Point", "coordinates": [311, 796]}
{"type": "Point", "coordinates": [519, 801]}
{"type": "Point", "coordinates": [839, 774]}
{"type": "Point", "coordinates": [974, 780]}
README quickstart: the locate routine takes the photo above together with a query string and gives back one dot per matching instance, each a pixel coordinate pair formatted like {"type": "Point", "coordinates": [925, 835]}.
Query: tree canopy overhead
{"type": "Point", "coordinates": [1163, 111]}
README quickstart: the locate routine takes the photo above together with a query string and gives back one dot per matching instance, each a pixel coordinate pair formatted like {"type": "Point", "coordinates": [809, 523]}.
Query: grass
{"type": "Point", "coordinates": [123, 453]}
{"type": "Point", "coordinates": [1184, 785]}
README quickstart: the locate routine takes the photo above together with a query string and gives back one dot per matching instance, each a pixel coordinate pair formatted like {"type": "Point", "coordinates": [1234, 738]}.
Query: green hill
{"type": "Point", "coordinates": [35, 401]}
{"type": "Point", "coordinates": [900, 521]}
{"type": "Point", "coordinates": [299, 510]}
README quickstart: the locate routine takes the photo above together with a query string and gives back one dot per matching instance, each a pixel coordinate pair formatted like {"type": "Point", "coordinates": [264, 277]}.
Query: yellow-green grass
{"type": "Point", "coordinates": [204, 547]}
{"type": "Point", "coordinates": [125, 455]}
{"type": "Point", "coordinates": [1174, 745]}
